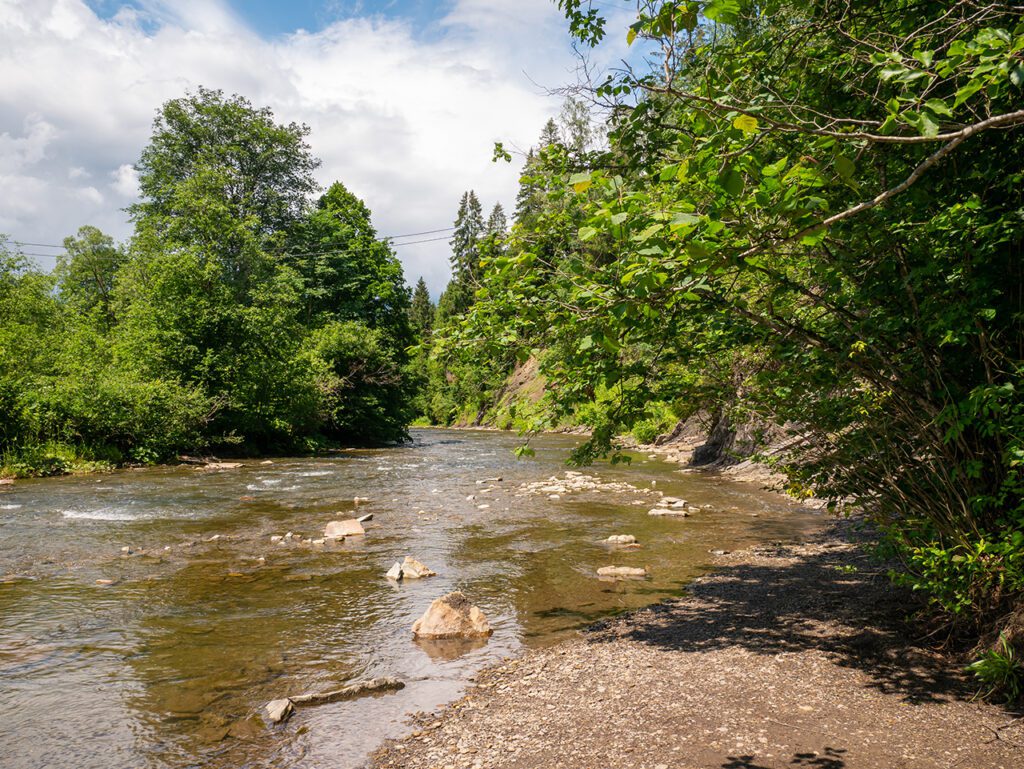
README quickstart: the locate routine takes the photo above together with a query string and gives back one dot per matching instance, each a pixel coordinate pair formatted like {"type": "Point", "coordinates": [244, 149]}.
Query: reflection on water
{"type": "Point", "coordinates": [164, 657]}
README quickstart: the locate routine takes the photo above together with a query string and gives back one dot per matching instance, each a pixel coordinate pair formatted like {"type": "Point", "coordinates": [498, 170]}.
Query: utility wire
{"type": "Point", "coordinates": [383, 237]}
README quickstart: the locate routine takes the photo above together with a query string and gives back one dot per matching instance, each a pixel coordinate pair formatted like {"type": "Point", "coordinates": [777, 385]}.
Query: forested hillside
{"type": "Point", "coordinates": [807, 215]}
{"type": "Point", "coordinates": [247, 313]}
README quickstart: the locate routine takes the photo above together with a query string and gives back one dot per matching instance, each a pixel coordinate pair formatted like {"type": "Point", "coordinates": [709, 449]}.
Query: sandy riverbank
{"type": "Point", "coordinates": [789, 655]}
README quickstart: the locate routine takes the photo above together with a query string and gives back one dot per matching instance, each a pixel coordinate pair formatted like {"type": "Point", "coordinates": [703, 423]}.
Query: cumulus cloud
{"type": "Point", "coordinates": [406, 120]}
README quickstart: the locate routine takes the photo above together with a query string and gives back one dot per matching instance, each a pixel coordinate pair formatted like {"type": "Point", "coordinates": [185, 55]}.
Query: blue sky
{"type": "Point", "coordinates": [405, 99]}
{"type": "Point", "coordinates": [272, 18]}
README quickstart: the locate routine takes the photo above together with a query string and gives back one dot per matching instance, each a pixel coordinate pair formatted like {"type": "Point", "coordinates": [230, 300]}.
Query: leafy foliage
{"type": "Point", "coordinates": [242, 316]}
{"type": "Point", "coordinates": [809, 214]}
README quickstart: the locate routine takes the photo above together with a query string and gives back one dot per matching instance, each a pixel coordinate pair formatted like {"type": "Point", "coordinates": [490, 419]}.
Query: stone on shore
{"type": "Point", "coordinates": [279, 710]}
{"type": "Point", "coordinates": [395, 572]}
{"type": "Point", "coordinates": [622, 571]}
{"type": "Point", "coordinates": [669, 511]}
{"type": "Point", "coordinates": [341, 529]}
{"type": "Point", "coordinates": [365, 518]}
{"type": "Point", "coordinates": [452, 616]}
{"type": "Point", "coordinates": [621, 539]}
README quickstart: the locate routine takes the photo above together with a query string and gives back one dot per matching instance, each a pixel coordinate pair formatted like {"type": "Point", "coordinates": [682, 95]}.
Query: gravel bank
{"type": "Point", "coordinates": [787, 656]}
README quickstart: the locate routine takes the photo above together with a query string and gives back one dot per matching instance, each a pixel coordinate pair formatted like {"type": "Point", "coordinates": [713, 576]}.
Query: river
{"type": "Point", "coordinates": [207, 619]}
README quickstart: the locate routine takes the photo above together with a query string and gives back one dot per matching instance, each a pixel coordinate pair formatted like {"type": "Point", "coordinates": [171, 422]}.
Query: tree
{"type": "Point", "coordinates": [86, 271]}
{"type": "Point", "coordinates": [222, 175]}
{"type": "Point", "coordinates": [347, 272]}
{"type": "Point", "coordinates": [497, 224]}
{"type": "Point", "coordinates": [421, 312]}
{"type": "Point", "coordinates": [824, 199]}
{"type": "Point", "coordinates": [465, 258]}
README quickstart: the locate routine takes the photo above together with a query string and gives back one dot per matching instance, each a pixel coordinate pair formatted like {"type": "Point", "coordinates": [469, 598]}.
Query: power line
{"type": "Point", "coordinates": [313, 253]}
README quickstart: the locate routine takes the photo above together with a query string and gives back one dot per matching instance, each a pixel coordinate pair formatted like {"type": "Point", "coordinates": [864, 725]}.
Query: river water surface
{"type": "Point", "coordinates": [170, 665]}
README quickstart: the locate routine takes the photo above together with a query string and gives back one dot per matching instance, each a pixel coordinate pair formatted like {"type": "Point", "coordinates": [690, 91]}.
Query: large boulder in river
{"type": "Point", "coordinates": [452, 616]}
{"type": "Point", "coordinates": [341, 529]}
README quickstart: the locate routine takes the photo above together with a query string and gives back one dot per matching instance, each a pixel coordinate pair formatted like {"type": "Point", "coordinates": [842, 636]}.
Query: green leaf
{"type": "Point", "coordinates": [845, 167]}
{"type": "Point", "coordinates": [648, 232]}
{"type": "Point", "coordinates": [745, 123]}
{"type": "Point", "coordinates": [774, 169]}
{"type": "Point", "coordinates": [1017, 76]}
{"type": "Point", "coordinates": [938, 107]}
{"type": "Point", "coordinates": [967, 91]}
{"type": "Point", "coordinates": [587, 233]}
{"type": "Point", "coordinates": [732, 182]}
{"type": "Point", "coordinates": [619, 218]}
{"type": "Point", "coordinates": [927, 126]}
{"type": "Point", "coordinates": [630, 36]}
{"type": "Point", "coordinates": [586, 343]}
{"type": "Point", "coordinates": [668, 173]}
{"type": "Point", "coordinates": [683, 219]}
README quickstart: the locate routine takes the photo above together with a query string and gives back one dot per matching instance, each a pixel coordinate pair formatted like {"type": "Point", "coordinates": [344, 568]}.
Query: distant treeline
{"type": "Point", "coordinates": [245, 314]}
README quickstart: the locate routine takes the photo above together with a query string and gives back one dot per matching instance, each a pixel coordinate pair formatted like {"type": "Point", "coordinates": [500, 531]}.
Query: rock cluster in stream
{"type": "Point", "coordinates": [576, 482]}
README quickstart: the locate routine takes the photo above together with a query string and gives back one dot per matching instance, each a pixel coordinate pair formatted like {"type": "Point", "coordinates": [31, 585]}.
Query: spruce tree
{"type": "Point", "coordinates": [497, 223]}
{"type": "Point", "coordinates": [421, 311]}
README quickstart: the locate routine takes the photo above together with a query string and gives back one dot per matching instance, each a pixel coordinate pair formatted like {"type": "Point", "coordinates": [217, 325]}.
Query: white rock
{"type": "Point", "coordinates": [621, 539]}
{"type": "Point", "coordinates": [673, 511]}
{"type": "Point", "coordinates": [279, 710]}
{"type": "Point", "coordinates": [365, 518]}
{"type": "Point", "coordinates": [318, 541]}
{"type": "Point", "coordinates": [554, 496]}
{"type": "Point", "coordinates": [482, 507]}
{"type": "Point", "coordinates": [350, 527]}
{"type": "Point", "coordinates": [622, 571]}
{"type": "Point", "coordinates": [413, 569]}
{"type": "Point", "coordinates": [276, 538]}
{"type": "Point", "coordinates": [395, 572]}
{"type": "Point", "coordinates": [127, 550]}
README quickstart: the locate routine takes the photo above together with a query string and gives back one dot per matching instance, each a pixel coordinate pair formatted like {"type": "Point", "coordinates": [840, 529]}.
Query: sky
{"type": "Point", "coordinates": [404, 98]}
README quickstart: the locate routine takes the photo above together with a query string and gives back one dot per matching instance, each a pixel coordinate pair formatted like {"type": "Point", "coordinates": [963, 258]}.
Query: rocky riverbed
{"type": "Point", "coordinates": [788, 655]}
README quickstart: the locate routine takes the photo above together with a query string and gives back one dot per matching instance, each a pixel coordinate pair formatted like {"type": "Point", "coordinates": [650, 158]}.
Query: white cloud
{"type": "Point", "coordinates": [406, 122]}
{"type": "Point", "coordinates": [126, 181]}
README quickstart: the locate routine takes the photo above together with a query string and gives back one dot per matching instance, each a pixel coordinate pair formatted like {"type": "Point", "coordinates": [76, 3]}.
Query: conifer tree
{"type": "Point", "coordinates": [421, 311]}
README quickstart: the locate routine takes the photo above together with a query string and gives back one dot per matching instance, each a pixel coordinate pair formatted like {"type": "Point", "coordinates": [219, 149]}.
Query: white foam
{"type": "Point", "coordinates": [316, 473]}
{"type": "Point", "coordinates": [103, 514]}
{"type": "Point", "coordinates": [10, 507]}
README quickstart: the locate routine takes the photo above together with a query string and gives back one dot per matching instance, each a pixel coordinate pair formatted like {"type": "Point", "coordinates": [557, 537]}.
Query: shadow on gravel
{"type": "Point", "coordinates": [832, 758]}
{"type": "Point", "coordinates": [834, 600]}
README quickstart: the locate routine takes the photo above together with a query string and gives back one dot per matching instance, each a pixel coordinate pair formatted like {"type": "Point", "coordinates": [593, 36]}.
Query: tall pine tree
{"type": "Point", "coordinates": [469, 228]}
{"type": "Point", "coordinates": [421, 312]}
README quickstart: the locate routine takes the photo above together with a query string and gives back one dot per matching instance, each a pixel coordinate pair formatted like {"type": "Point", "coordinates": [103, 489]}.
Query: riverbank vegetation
{"type": "Point", "coordinates": [807, 217]}
{"type": "Point", "coordinates": [246, 314]}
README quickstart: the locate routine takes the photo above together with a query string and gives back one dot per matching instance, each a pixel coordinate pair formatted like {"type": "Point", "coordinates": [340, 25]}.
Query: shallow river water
{"type": "Point", "coordinates": [170, 665]}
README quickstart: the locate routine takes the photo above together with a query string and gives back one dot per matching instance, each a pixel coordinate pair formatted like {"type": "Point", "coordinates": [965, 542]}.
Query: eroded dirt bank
{"type": "Point", "coordinates": [788, 655]}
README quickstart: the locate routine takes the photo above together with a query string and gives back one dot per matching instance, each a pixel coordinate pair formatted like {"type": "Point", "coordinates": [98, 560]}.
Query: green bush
{"type": "Point", "coordinates": [1000, 671]}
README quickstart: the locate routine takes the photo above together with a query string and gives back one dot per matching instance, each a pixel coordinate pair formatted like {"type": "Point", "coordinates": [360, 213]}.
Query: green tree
{"type": "Point", "coordinates": [86, 271]}
{"type": "Point", "coordinates": [421, 312]}
{"type": "Point", "coordinates": [347, 272]}
{"type": "Point", "coordinates": [819, 201]}
{"type": "Point", "coordinates": [465, 258]}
